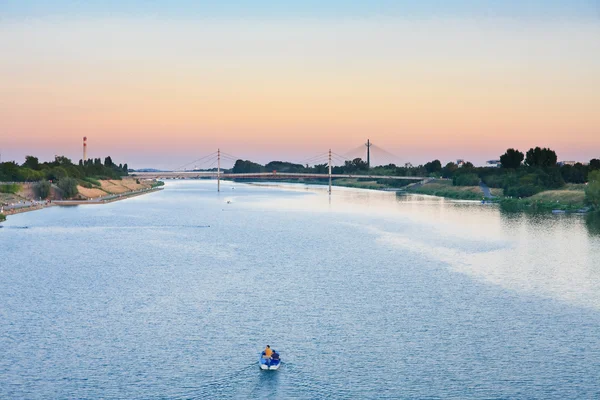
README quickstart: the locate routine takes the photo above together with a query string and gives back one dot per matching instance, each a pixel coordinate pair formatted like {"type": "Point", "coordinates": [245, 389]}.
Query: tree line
{"type": "Point", "coordinates": [520, 174]}
{"type": "Point", "coordinates": [32, 170]}
{"type": "Point", "coordinates": [62, 172]}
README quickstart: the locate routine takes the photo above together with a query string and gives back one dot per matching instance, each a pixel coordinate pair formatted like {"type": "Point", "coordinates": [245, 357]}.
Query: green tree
{"type": "Point", "coordinates": [360, 165]}
{"type": "Point", "coordinates": [321, 168]}
{"type": "Point", "coordinates": [574, 174]}
{"type": "Point", "coordinates": [245, 166]}
{"type": "Point", "coordinates": [62, 161]}
{"type": "Point", "coordinates": [592, 190]}
{"type": "Point", "coordinates": [29, 175]}
{"type": "Point", "coordinates": [9, 171]}
{"type": "Point", "coordinates": [512, 159]}
{"type": "Point", "coordinates": [42, 189]}
{"type": "Point", "coordinates": [465, 179]}
{"type": "Point", "coordinates": [539, 157]}
{"type": "Point", "coordinates": [283, 166]}
{"type": "Point", "coordinates": [56, 173]}
{"type": "Point", "coordinates": [433, 167]}
{"type": "Point", "coordinates": [594, 164]}
{"type": "Point", "coordinates": [31, 162]}
{"type": "Point", "coordinates": [68, 186]}
{"type": "Point", "coordinates": [449, 170]}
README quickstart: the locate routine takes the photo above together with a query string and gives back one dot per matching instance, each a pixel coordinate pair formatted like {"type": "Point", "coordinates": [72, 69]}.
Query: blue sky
{"type": "Point", "coordinates": [313, 8]}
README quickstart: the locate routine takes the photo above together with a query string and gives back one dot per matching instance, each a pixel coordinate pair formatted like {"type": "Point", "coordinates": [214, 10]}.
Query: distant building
{"type": "Point", "coordinates": [571, 163]}
{"type": "Point", "coordinates": [493, 164]}
{"type": "Point", "coordinates": [460, 162]}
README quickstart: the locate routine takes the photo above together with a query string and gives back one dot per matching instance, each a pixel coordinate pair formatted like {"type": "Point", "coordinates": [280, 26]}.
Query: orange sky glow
{"type": "Point", "coordinates": [160, 93]}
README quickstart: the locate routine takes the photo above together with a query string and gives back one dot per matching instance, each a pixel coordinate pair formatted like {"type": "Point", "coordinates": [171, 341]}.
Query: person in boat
{"type": "Point", "coordinates": [268, 352]}
{"type": "Point", "coordinates": [275, 356]}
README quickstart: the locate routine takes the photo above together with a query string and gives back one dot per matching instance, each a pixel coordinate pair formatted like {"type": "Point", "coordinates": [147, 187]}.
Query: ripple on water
{"type": "Point", "coordinates": [366, 295]}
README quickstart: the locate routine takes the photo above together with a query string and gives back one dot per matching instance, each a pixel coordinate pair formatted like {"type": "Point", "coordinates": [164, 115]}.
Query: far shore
{"type": "Point", "coordinates": [570, 199]}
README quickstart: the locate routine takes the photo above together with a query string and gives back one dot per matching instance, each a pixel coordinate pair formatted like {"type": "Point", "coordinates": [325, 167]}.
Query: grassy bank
{"type": "Point", "coordinates": [10, 188]}
{"type": "Point", "coordinates": [446, 189]}
{"type": "Point", "coordinates": [549, 200]}
{"type": "Point", "coordinates": [570, 198]}
{"type": "Point", "coordinates": [359, 184]}
{"type": "Point", "coordinates": [113, 187]}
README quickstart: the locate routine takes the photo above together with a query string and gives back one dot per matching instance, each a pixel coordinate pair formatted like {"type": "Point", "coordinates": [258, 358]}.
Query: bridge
{"type": "Point", "coordinates": [326, 160]}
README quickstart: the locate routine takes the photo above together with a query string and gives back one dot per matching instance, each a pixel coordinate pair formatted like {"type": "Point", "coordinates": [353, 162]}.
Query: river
{"type": "Point", "coordinates": [365, 295]}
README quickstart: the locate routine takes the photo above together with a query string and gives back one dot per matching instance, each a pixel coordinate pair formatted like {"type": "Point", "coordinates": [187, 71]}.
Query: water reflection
{"type": "Point", "coordinates": [546, 254]}
{"type": "Point", "coordinates": [592, 223]}
{"type": "Point", "coordinates": [403, 296]}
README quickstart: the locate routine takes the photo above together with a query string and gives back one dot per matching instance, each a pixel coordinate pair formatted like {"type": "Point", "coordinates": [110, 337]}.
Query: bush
{"type": "Point", "coordinates": [68, 186]}
{"type": "Point", "coordinates": [467, 179]}
{"type": "Point", "coordinates": [493, 181]}
{"type": "Point", "coordinates": [2, 217]}
{"type": "Point", "coordinates": [12, 188]}
{"type": "Point", "coordinates": [42, 189]}
{"type": "Point", "coordinates": [526, 190]}
{"type": "Point", "coordinates": [92, 181]}
{"type": "Point", "coordinates": [592, 190]}
{"type": "Point", "coordinates": [85, 184]}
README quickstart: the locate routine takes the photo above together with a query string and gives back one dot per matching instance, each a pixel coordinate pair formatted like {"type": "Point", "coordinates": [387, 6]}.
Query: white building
{"type": "Point", "coordinates": [493, 164]}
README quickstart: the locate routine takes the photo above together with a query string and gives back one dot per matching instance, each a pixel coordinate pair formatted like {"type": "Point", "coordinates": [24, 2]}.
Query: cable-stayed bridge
{"type": "Point", "coordinates": [210, 166]}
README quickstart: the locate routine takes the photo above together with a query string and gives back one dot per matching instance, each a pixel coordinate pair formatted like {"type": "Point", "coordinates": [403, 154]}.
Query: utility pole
{"type": "Point", "coordinates": [218, 170]}
{"type": "Point", "coordinates": [368, 144]}
{"type": "Point", "coordinates": [330, 172]}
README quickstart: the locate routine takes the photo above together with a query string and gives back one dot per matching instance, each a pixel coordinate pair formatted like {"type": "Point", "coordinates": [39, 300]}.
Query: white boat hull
{"type": "Point", "coordinates": [264, 367]}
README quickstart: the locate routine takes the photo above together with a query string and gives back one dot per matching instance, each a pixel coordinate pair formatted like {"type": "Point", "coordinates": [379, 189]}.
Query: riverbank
{"type": "Point", "coordinates": [548, 201]}
{"type": "Point", "coordinates": [444, 188]}
{"type": "Point", "coordinates": [107, 199]}
{"type": "Point", "coordinates": [570, 199]}
{"type": "Point", "coordinates": [102, 193]}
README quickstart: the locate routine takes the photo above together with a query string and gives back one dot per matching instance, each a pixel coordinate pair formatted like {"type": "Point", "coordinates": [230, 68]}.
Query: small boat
{"type": "Point", "coordinates": [269, 363]}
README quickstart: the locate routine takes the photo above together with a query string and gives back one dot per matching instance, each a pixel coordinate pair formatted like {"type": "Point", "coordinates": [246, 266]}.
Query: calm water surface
{"type": "Point", "coordinates": [366, 295]}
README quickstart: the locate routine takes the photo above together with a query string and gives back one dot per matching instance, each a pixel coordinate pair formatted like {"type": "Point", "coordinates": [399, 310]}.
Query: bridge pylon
{"type": "Point", "coordinates": [330, 172]}
{"type": "Point", "coordinates": [218, 170]}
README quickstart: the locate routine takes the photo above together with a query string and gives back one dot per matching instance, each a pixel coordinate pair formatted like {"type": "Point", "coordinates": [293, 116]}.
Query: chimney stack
{"type": "Point", "coordinates": [84, 148]}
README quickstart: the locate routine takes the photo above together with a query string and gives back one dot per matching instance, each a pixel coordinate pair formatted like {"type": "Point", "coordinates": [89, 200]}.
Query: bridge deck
{"type": "Point", "coordinates": [267, 175]}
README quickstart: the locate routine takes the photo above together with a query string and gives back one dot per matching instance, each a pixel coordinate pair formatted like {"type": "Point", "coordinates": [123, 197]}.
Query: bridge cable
{"type": "Point", "coordinates": [195, 161]}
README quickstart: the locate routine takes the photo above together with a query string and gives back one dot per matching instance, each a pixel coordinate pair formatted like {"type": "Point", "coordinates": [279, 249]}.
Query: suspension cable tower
{"type": "Point", "coordinates": [368, 144]}
{"type": "Point", "coordinates": [330, 172]}
{"type": "Point", "coordinates": [218, 170]}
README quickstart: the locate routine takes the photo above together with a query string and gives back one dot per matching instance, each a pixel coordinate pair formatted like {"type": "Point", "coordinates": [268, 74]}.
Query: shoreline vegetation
{"type": "Point", "coordinates": [34, 185]}
{"type": "Point", "coordinates": [24, 199]}
{"type": "Point", "coordinates": [569, 199]}
{"type": "Point", "coordinates": [532, 181]}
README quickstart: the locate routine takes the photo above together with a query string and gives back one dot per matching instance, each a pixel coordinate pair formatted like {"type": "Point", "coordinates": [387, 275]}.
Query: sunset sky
{"type": "Point", "coordinates": [157, 84]}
